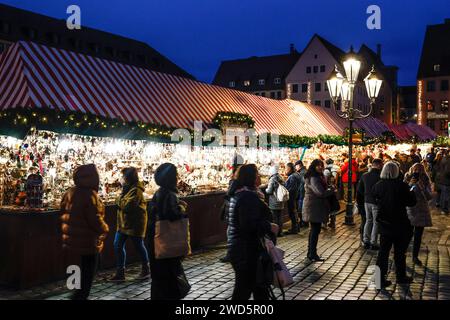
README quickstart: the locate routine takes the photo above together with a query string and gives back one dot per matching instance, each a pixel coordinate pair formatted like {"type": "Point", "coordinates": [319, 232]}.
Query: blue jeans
{"type": "Point", "coordinates": [121, 254]}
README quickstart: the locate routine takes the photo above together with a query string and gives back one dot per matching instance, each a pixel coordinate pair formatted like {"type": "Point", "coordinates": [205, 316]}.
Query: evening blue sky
{"type": "Point", "coordinates": [198, 34]}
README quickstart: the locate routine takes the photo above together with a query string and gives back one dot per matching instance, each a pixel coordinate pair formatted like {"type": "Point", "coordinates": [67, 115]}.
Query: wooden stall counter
{"type": "Point", "coordinates": [31, 249]}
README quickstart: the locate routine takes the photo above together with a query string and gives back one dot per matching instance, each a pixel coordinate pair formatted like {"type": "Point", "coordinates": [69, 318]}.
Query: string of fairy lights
{"type": "Point", "coordinates": [21, 120]}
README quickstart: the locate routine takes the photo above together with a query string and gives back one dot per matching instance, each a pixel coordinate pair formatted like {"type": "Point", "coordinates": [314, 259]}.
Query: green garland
{"type": "Point", "coordinates": [223, 117]}
{"type": "Point", "coordinates": [18, 121]}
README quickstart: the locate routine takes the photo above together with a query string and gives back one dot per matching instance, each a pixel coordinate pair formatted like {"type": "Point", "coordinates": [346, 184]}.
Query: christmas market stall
{"type": "Point", "coordinates": [60, 109]}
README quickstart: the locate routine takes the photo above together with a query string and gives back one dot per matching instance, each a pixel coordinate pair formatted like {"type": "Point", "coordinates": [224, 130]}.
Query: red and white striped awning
{"type": "Point", "coordinates": [33, 75]}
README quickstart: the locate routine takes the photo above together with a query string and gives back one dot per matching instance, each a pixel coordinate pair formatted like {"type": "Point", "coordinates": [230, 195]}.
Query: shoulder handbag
{"type": "Point", "coordinates": [172, 238]}
{"type": "Point", "coordinates": [282, 276]}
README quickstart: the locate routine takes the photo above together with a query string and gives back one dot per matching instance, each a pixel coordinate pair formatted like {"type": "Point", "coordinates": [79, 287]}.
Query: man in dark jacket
{"type": "Point", "coordinates": [301, 171]}
{"type": "Point", "coordinates": [430, 158]}
{"type": "Point", "coordinates": [292, 185]}
{"type": "Point", "coordinates": [392, 196]}
{"type": "Point", "coordinates": [368, 180]}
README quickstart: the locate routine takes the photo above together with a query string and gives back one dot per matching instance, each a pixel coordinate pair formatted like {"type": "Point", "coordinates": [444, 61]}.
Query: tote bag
{"type": "Point", "coordinates": [172, 238]}
{"type": "Point", "coordinates": [282, 193]}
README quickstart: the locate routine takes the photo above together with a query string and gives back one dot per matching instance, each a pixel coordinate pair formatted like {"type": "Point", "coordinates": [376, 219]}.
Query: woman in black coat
{"type": "Point", "coordinates": [248, 223]}
{"type": "Point", "coordinates": [393, 196]}
{"type": "Point", "coordinates": [165, 205]}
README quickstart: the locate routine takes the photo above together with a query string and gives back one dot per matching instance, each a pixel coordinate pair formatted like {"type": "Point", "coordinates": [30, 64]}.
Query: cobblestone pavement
{"type": "Point", "coordinates": [343, 275]}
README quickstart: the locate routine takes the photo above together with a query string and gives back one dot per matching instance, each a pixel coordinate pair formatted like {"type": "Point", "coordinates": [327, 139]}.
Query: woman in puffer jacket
{"type": "Point", "coordinates": [276, 207]}
{"type": "Point", "coordinates": [419, 215]}
{"type": "Point", "coordinates": [83, 226]}
{"type": "Point", "coordinates": [249, 223]}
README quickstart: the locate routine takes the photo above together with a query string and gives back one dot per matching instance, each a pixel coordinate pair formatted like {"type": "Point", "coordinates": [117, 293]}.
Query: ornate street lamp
{"type": "Point", "coordinates": [342, 89]}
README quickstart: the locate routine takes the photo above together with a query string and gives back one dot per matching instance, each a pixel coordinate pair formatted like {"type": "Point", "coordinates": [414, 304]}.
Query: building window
{"type": "Point", "coordinates": [325, 87]}
{"type": "Point", "coordinates": [316, 56]}
{"type": "Point", "coordinates": [317, 103]}
{"type": "Point", "coordinates": [318, 87]}
{"type": "Point", "coordinates": [279, 95]}
{"type": "Point", "coordinates": [231, 84]}
{"type": "Point", "coordinates": [308, 69]}
{"type": "Point", "coordinates": [261, 82]}
{"type": "Point", "coordinates": [294, 88]}
{"type": "Point", "coordinates": [277, 81]}
{"type": "Point", "coordinates": [430, 105]}
{"type": "Point", "coordinates": [322, 68]}
{"type": "Point", "coordinates": [5, 27]}
{"type": "Point", "coordinates": [444, 124]}
{"type": "Point", "coordinates": [444, 105]}
{"type": "Point", "coordinates": [430, 123]}
{"type": "Point", "coordinates": [263, 94]}
{"type": "Point", "coordinates": [272, 94]}
{"type": "Point", "coordinates": [444, 85]}
{"type": "Point", "coordinates": [431, 86]}
{"type": "Point", "coordinates": [94, 47]}
{"type": "Point", "coordinates": [304, 87]}
{"type": "Point", "coordinates": [327, 104]}
{"type": "Point", "coordinates": [437, 67]}
{"type": "Point", "coordinates": [316, 69]}
{"type": "Point", "coordinates": [246, 83]}
{"type": "Point", "coordinates": [53, 38]}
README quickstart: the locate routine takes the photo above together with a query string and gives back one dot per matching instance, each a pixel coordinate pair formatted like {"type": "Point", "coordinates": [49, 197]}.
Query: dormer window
{"type": "Point", "coordinates": [246, 83]}
{"type": "Point", "coordinates": [261, 82]}
{"type": "Point", "coordinates": [94, 47]}
{"type": "Point", "coordinates": [437, 67]}
{"type": "Point", "coordinates": [231, 84]}
{"type": "Point", "coordinates": [277, 81]}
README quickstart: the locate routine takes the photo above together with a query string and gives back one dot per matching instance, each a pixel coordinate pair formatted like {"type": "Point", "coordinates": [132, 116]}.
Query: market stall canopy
{"type": "Point", "coordinates": [36, 76]}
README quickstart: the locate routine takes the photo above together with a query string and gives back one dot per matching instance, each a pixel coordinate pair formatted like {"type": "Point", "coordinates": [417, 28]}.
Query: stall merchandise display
{"type": "Point", "coordinates": [52, 158]}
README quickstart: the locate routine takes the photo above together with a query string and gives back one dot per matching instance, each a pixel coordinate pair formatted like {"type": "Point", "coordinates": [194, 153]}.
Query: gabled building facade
{"type": "Point", "coordinates": [433, 78]}
{"type": "Point", "coordinates": [263, 76]}
{"type": "Point", "coordinates": [307, 81]}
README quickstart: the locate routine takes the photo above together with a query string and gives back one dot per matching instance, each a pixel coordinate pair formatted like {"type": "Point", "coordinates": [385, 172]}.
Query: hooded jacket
{"type": "Point", "coordinates": [132, 212]}
{"type": "Point", "coordinates": [83, 225]}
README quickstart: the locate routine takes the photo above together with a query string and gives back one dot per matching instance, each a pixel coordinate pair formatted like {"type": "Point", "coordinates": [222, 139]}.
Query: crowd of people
{"type": "Point", "coordinates": [392, 196]}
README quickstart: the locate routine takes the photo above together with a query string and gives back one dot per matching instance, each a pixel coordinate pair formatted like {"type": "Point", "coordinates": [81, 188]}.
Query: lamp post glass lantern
{"type": "Point", "coordinates": [341, 89]}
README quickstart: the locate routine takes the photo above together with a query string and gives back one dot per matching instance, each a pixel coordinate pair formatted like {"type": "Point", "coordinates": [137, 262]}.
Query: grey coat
{"type": "Point", "coordinates": [316, 207]}
{"type": "Point", "coordinates": [271, 190]}
{"type": "Point", "coordinates": [419, 215]}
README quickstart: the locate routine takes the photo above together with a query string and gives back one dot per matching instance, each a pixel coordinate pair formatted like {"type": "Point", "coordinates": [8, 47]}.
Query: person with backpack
{"type": "Point", "coordinates": [275, 205]}
{"type": "Point", "coordinates": [292, 185]}
{"type": "Point", "coordinates": [168, 276]}
{"type": "Point", "coordinates": [83, 226]}
{"type": "Point", "coordinates": [316, 207]}
{"type": "Point", "coordinates": [249, 224]}
{"type": "Point", "coordinates": [131, 224]}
